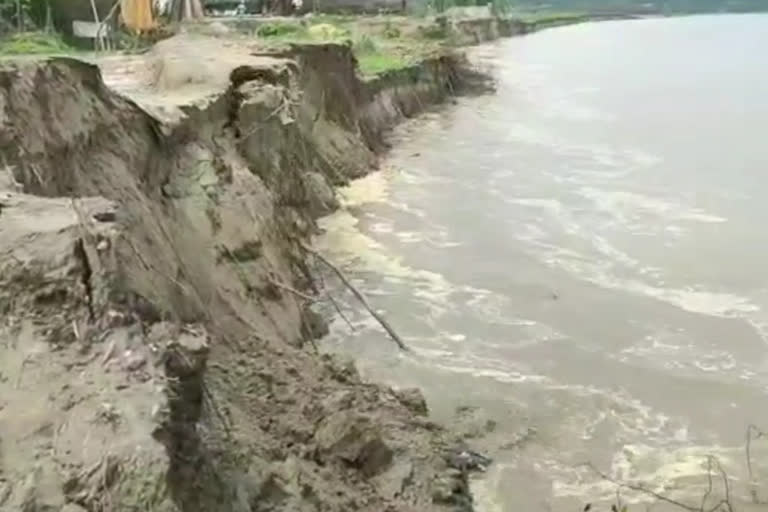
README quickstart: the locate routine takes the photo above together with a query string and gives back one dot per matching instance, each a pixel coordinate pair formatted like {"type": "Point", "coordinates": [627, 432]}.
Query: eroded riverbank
{"type": "Point", "coordinates": [572, 255]}
{"type": "Point", "coordinates": [157, 331]}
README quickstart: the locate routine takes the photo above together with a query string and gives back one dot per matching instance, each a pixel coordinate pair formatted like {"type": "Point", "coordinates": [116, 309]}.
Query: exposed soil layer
{"type": "Point", "coordinates": [154, 288]}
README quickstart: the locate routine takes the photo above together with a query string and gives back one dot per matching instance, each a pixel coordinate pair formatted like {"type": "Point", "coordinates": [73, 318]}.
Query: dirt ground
{"type": "Point", "coordinates": [155, 294]}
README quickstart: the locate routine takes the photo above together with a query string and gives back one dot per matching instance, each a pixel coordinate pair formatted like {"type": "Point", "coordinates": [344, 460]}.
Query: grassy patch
{"type": "Point", "coordinates": [374, 56]}
{"type": "Point", "coordinates": [391, 31]}
{"type": "Point", "coordinates": [34, 43]}
{"type": "Point", "coordinates": [544, 17]}
{"type": "Point", "coordinates": [281, 30]}
{"type": "Point", "coordinates": [380, 44]}
{"type": "Point", "coordinates": [335, 19]}
{"type": "Point", "coordinates": [328, 32]}
{"type": "Point", "coordinates": [282, 33]}
{"type": "Point", "coordinates": [375, 63]}
{"type": "Point", "coordinates": [364, 45]}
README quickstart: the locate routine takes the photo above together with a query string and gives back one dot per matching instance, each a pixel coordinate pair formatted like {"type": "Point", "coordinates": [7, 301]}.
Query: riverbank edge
{"type": "Point", "coordinates": [164, 257]}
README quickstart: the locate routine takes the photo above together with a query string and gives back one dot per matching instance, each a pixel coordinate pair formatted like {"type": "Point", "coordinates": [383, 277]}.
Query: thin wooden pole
{"type": "Point", "coordinates": [19, 17]}
{"type": "Point", "coordinates": [97, 42]}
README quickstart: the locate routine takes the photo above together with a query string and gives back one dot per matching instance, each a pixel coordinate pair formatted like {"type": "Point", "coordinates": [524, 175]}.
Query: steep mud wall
{"type": "Point", "coordinates": [471, 31]}
{"type": "Point", "coordinates": [154, 295]}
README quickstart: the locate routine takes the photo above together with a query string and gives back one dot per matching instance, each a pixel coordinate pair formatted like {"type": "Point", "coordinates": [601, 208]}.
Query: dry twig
{"type": "Point", "coordinates": [753, 432]}
{"type": "Point", "coordinates": [336, 305]}
{"type": "Point", "coordinates": [382, 321]}
{"type": "Point", "coordinates": [711, 461]}
{"type": "Point", "coordinates": [294, 291]}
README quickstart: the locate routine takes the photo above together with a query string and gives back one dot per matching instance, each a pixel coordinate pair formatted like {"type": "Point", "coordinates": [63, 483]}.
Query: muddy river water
{"type": "Point", "coordinates": [585, 253]}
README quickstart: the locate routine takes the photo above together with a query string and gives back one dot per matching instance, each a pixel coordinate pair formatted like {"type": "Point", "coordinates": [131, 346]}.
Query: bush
{"type": "Point", "coordinates": [278, 29]}
{"type": "Point", "coordinates": [376, 63]}
{"type": "Point", "coordinates": [365, 45]}
{"type": "Point", "coordinates": [391, 32]}
{"type": "Point", "coordinates": [438, 30]}
{"type": "Point", "coordinates": [326, 31]}
{"type": "Point", "coordinates": [26, 43]}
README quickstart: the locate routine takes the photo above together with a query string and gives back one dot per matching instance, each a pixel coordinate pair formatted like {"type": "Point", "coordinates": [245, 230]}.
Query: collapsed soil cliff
{"type": "Point", "coordinates": [154, 289]}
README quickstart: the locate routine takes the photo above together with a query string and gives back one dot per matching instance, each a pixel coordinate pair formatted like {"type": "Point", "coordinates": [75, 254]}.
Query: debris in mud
{"type": "Point", "coordinates": [355, 439]}
{"type": "Point", "coordinates": [413, 399]}
{"type": "Point", "coordinates": [468, 460]}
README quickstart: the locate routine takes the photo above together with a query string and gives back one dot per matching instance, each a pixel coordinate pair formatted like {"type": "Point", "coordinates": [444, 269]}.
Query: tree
{"type": "Point", "coordinates": [66, 11]}
{"type": "Point", "coordinates": [182, 10]}
{"type": "Point", "coordinates": [13, 14]}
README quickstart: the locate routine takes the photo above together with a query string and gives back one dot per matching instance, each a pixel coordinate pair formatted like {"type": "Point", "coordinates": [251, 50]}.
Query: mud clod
{"type": "Point", "coordinates": [354, 439]}
{"type": "Point", "coordinates": [413, 400]}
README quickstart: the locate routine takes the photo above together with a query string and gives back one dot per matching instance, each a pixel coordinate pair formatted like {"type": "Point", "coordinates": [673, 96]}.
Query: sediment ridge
{"type": "Point", "coordinates": [155, 294]}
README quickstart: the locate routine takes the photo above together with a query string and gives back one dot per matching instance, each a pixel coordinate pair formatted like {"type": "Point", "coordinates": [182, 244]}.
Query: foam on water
{"type": "Point", "coordinates": [660, 470]}
{"type": "Point", "coordinates": [691, 299]}
{"type": "Point", "coordinates": [623, 203]}
{"type": "Point", "coordinates": [592, 211]}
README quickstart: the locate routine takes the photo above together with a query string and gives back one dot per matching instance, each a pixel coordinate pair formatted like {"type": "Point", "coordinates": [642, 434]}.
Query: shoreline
{"type": "Point", "coordinates": [165, 263]}
{"type": "Point", "coordinates": [157, 291]}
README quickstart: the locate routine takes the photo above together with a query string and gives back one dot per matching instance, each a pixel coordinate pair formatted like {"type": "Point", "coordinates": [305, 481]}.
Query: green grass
{"type": "Point", "coordinates": [365, 44]}
{"type": "Point", "coordinates": [379, 44]}
{"type": "Point", "coordinates": [281, 33]}
{"type": "Point", "coordinates": [280, 30]}
{"type": "Point", "coordinates": [34, 43]}
{"type": "Point", "coordinates": [376, 63]}
{"type": "Point", "coordinates": [547, 16]}
{"type": "Point", "coordinates": [335, 19]}
{"type": "Point", "coordinates": [329, 32]}
{"type": "Point", "coordinates": [376, 55]}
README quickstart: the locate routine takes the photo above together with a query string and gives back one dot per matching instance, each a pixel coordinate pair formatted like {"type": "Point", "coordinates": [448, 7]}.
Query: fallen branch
{"type": "Point", "coordinates": [392, 334]}
{"type": "Point", "coordinates": [294, 291]}
{"type": "Point", "coordinates": [753, 433]}
{"type": "Point", "coordinates": [336, 304]}
{"type": "Point", "coordinates": [641, 489]}
{"type": "Point", "coordinates": [340, 312]}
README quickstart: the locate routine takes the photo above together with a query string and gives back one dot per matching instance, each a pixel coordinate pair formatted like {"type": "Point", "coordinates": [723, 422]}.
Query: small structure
{"type": "Point", "coordinates": [91, 30]}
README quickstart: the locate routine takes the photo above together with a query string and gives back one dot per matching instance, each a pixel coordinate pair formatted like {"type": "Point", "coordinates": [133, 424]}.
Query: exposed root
{"type": "Point", "coordinates": [294, 291]}
{"type": "Point", "coordinates": [86, 277]}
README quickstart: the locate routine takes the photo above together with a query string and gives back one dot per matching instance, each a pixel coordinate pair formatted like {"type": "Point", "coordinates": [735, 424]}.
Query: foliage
{"type": "Point", "coordinates": [501, 7]}
{"type": "Point", "coordinates": [365, 45]}
{"type": "Point", "coordinates": [375, 56]}
{"type": "Point", "coordinates": [335, 19]}
{"type": "Point", "coordinates": [390, 31]}
{"type": "Point", "coordinates": [375, 63]}
{"type": "Point", "coordinates": [36, 43]}
{"type": "Point", "coordinates": [328, 32]}
{"type": "Point", "coordinates": [508, 7]}
{"type": "Point", "coordinates": [278, 29]}
{"type": "Point", "coordinates": [547, 17]}
{"type": "Point", "coordinates": [9, 13]}
{"type": "Point", "coordinates": [437, 30]}
{"type": "Point", "coordinates": [643, 6]}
